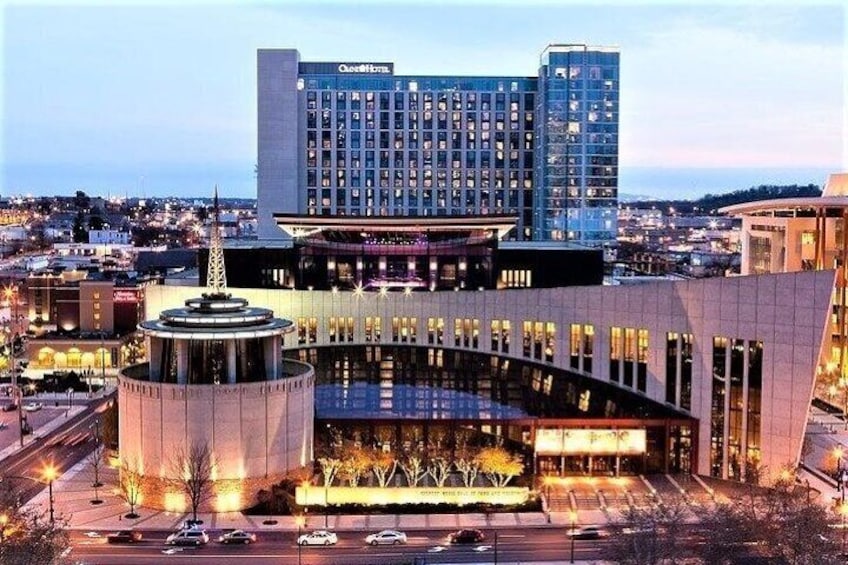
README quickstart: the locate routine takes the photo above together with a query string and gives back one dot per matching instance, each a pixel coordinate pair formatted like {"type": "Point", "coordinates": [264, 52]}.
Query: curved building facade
{"type": "Point", "coordinates": [736, 355]}
{"type": "Point", "coordinates": [216, 377]}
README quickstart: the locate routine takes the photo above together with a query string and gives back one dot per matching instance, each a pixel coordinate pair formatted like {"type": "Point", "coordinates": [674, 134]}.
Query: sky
{"type": "Point", "coordinates": [155, 99]}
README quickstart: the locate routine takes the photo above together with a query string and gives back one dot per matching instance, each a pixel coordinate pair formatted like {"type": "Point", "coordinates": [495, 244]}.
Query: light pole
{"type": "Point", "coordinates": [326, 504]}
{"type": "Point", "coordinates": [300, 521]}
{"type": "Point", "coordinates": [547, 481]}
{"type": "Point", "coordinates": [843, 509]}
{"type": "Point", "coordinates": [573, 515]}
{"type": "Point", "coordinates": [49, 474]}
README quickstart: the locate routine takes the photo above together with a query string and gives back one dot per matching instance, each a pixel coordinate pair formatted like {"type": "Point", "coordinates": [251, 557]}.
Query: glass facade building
{"type": "Point", "coordinates": [354, 139]}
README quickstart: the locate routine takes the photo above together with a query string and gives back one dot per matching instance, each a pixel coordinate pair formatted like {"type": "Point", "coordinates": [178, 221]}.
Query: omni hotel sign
{"type": "Point", "coordinates": [346, 68]}
{"type": "Point", "coordinates": [590, 442]}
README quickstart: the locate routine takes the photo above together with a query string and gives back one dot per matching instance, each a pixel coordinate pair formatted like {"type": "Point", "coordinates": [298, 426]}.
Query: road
{"type": "Point", "coordinates": [515, 544]}
{"type": "Point", "coordinates": [63, 448]}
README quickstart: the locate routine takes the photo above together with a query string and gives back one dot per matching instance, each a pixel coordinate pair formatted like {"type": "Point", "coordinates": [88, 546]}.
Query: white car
{"type": "Point", "coordinates": [318, 537]}
{"type": "Point", "coordinates": [188, 537]}
{"type": "Point", "coordinates": [33, 406]}
{"type": "Point", "coordinates": [386, 537]}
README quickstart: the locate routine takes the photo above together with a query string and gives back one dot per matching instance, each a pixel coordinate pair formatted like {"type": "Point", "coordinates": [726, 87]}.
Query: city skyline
{"type": "Point", "coordinates": [714, 98]}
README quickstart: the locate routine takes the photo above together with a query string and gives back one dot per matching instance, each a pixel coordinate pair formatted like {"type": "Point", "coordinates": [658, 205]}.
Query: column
{"type": "Point", "coordinates": [231, 361]}
{"type": "Point", "coordinates": [182, 361]}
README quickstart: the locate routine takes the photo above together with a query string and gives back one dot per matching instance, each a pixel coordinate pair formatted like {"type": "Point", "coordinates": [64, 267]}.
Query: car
{"type": "Point", "coordinates": [11, 407]}
{"type": "Point", "coordinates": [33, 406]}
{"type": "Point", "coordinates": [587, 532]}
{"type": "Point", "coordinates": [318, 537]}
{"type": "Point", "coordinates": [386, 537]}
{"type": "Point", "coordinates": [466, 536]}
{"type": "Point", "coordinates": [188, 537]}
{"type": "Point", "coordinates": [124, 536]}
{"type": "Point", "coordinates": [237, 536]}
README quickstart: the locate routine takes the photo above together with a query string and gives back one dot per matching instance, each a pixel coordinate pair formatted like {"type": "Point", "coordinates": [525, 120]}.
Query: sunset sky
{"type": "Point", "coordinates": [158, 100]}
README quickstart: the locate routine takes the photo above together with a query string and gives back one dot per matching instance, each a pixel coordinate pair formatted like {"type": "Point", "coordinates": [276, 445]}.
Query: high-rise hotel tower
{"type": "Point", "coordinates": [351, 138]}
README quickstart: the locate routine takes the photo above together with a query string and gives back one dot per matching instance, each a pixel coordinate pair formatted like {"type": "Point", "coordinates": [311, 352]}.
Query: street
{"type": "Point", "coordinates": [517, 544]}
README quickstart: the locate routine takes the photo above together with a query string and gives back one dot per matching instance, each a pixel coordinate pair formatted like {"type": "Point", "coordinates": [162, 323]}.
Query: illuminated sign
{"type": "Point", "coordinates": [366, 68]}
{"type": "Point", "coordinates": [410, 495]}
{"type": "Point", "coordinates": [124, 296]}
{"type": "Point", "coordinates": [590, 442]}
{"type": "Point", "coordinates": [373, 68]}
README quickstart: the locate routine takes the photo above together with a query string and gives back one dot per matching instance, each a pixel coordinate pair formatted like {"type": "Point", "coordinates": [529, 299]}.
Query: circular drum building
{"type": "Point", "coordinates": [216, 380]}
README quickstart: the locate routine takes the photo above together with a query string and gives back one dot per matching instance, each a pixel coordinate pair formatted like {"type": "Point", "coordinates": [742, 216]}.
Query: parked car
{"type": "Point", "coordinates": [11, 407]}
{"type": "Point", "coordinates": [188, 537]}
{"type": "Point", "coordinates": [33, 406]}
{"type": "Point", "coordinates": [466, 536]}
{"type": "Point", "coordinates": [237, 536]}
{"type": "Point", "coordinates": [587, 532]}
{"type": "Point", "coordinates": [318, 537]}
{"type": "Point", "coordinates": [124, 536]}
{"type": "Point", "coordinates": [386, 537]}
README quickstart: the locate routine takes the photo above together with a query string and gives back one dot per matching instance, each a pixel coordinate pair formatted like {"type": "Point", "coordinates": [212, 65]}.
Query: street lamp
{"type": "Point", "coordinates": [843, 510]}
{"type": "Point", "coordinates": [326, 503]}
{"type": "Point", "coordinates": [547, 481]}
{"type": "Point", "coordinates": [49, 474]}
{"type": "Point", "coordinates": [300, 522]}
{"type": "Point", "coordinates": [573, 515]}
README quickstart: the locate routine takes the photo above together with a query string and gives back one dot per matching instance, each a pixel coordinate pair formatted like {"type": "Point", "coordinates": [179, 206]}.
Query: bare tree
{"type": "Point", "coordinates": [413, 469]}
{"type": "Point", "coordinates": [192, 470]}
{"type": "Point", "coordinates": [439, 470]}
{"type": "Point", "coordinates": [469, 467]}
{"type": "Point", "coordinates": [95, 462]}
{"type": "Point", "coordinates": [130, 485]}
{"type": "Point", "coordinates": [648, 535]}
{"type": "Point", "coordinates": [384, 466]}
{"type": "Point", "coordinates": [330, 466]}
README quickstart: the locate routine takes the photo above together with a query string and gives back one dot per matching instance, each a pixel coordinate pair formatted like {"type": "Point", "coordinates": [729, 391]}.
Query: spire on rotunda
{"type": "Point", "coordinates": [216, 274]}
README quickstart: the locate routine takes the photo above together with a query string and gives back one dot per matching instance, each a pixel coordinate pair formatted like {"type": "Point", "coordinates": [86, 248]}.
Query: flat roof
{"type": "Point", "coordinates": [302, 226]}
{"type": "Point", "coordinates": [805, 203]}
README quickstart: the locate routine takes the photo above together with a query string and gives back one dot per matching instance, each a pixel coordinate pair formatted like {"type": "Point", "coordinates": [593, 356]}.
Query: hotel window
{"type": "Point", "coordinates": [717, 401]}
{"type": "Point", "coordinates": [642, 361]}
{"type": "Point", "coordinates": [500, 336]}
{"type": "Point", "coordinates": [615, 354]}
{"type": "Point", "coordinates": [313, 330]}
{"type": "Point", "coordinates": [527, 334]}
{"type": "Point", "coordinates": [301, 331]}
{"type": "Point", "coordinates": [372, 329]}
{"type": "Point", "coordinates": [435, 330]}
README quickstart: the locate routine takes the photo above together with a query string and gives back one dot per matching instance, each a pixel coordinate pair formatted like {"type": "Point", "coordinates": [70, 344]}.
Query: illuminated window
{"type": "Point", "coordinates": [642, 361]}
{"type": "Point", "coordinates": [372, 329]}
{"type": "Point", "coordinates": [615, 354]}
{"type": "Point", "coordinates": [332, 330]}
{"type": "Point", "coordinates": [588, 347]}
{"type": "Point", "coordinates": [550, 341]}
{"type": "Point", "coordinates": [435, 330]}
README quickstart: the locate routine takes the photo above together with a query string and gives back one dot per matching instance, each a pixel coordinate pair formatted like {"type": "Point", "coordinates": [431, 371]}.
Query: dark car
{"type": "Point", "coordinates": [587, 532]}
{"type": "Point", "coordinates": [124, 536]}
{"type": "Point", "coordinates": [466, 536]}
{"type": "Point", "coordinates": [10, 407]}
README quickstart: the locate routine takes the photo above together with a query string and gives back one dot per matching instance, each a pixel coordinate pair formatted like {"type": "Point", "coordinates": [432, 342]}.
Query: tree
{"type": "Point", "coordinates": [330, 466]}
{"type": "Point", "coordinates": [439, 470]}
{"type": "Point", "coordinates": [384, 466]}
{"type": "Point", "coordinates": [80, 235]}
{"type": "Point", "coordinates": [468, 466]}
{"type": "Point", "coordinates": [192, 469]}
{"type": "Point", "coordinates": [647, 536]}
{"type": "Point", "coordinates": [779, 522]}
{"type": "Point", "coordinates": [413, 469]}
{"type": "Point", "coordinates": [355, 464]}
{"type": "Point", "coordinates": [129, 483]}
{"type": "Point", "coordinates": [28, 538]}
{"type": "Point", "coordinates": [95, 461]}
{"type": "Point", "coordinates": [499, 465]}
{"type": "Point", "coordinates": [109, 425]}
